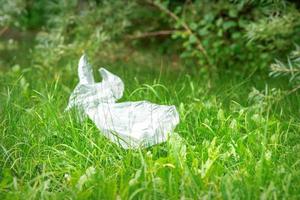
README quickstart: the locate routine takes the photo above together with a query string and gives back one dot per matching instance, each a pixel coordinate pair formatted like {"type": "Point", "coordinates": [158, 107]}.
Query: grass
{"type": "Point", "coordinates": [233, 142]}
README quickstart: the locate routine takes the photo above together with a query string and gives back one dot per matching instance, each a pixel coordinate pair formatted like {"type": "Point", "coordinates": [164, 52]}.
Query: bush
{"type": "Point", "coordinates": [235, 35]}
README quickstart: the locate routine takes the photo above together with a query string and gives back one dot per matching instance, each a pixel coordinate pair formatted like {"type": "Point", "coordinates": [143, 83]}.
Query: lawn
{"type": "Point", "coordinates": [238, 136]}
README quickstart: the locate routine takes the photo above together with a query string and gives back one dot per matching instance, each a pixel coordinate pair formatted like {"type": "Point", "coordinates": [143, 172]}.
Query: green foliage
{"type": "Point", "coordinates": [223, 34]}
{"type": "Point", "coordinates": [221, 30]}
{"type": "Point", "coordinates": [218, 27]}
{"type": "Point", "coordinates": [74, 30]}
{"type": "Point", "coordinates": [277, 32]}
{"type": "Point", "coordinates": [291, 69]}
{"type": "Point", "coordinates": [10, 11]}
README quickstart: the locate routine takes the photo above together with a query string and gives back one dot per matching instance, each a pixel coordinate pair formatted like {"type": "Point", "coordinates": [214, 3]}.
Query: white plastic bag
{"type": "Point", "coordinates": [128, 124]}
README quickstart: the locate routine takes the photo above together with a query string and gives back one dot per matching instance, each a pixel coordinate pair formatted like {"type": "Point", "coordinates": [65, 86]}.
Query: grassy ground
{"type": "Point", "coordinates": [233, 142]}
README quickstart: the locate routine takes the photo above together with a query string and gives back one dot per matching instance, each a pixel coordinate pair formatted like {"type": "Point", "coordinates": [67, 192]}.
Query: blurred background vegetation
{"type": "Point", "coordinates": [237, 35]}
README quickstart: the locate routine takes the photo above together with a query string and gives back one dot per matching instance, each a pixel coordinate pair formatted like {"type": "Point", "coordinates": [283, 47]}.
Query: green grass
{"type": "Point", "coordinates": [231, 143]}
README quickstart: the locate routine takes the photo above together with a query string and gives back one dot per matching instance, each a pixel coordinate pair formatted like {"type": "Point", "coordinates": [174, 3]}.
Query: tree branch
{"type": "Point", "coordinates": [3, 30]}
{"type": "Point", "coordinates": [184, 25]}
{"type": "Point", "coordinates": [150, 34]}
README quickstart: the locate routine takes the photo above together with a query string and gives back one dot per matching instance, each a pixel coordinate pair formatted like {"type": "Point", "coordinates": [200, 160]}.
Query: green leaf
{"type": "Point", "coordinates": [192, 39]}
{"type": "Point", "coordinates": [203, 31]}
{"type": "Point", "coordinates": [229, 24]}
{"type": "Point", "coordinates": [193, 26]}
{"type": "Point", "coordinates": [233, 13]}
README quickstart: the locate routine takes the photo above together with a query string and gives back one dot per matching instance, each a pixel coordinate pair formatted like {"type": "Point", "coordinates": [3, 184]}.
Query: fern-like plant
{"type": "Point", "coordinates": [289, 69]}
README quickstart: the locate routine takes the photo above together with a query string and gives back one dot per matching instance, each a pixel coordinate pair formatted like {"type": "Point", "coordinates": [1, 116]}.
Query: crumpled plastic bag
{"type": "Point", "coordinates": [128, 124]}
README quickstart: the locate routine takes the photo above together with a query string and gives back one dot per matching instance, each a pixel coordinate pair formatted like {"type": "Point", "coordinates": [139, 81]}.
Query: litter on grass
{"type": "Point", "coordinates": [128, 124]}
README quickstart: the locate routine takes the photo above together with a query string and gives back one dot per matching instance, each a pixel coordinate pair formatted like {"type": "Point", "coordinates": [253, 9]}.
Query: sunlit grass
{"type": "Point", "coordinates": [232, 141]}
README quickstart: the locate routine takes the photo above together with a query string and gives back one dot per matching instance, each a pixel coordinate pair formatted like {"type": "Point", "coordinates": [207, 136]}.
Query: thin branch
{"type": "Point", "coordinates": [3, 30]}
{"type": "Point", "coordinates": [184, 25]}
{"type": "Point", "coordinates": [171, 14]}
{"type": "Point", "coordinates": [150, 34]}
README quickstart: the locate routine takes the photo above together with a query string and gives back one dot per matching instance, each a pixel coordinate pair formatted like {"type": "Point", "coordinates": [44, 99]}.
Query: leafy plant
{"type": "Point", "coordinates": [10, 12]}
{"type": "Point", "coordinates": [290, 69]}
{"type": "Point", "coordinates": [70, 30]}
{"type": "Point", "coordinates": [214, 34]}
